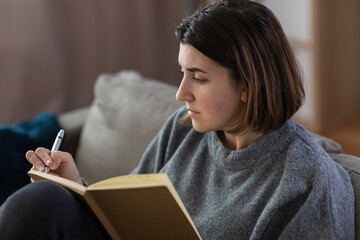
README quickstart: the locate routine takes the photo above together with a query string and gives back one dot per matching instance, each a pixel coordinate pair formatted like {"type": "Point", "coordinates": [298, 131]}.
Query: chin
{"type": "Point", "coordinates": [201, 129]}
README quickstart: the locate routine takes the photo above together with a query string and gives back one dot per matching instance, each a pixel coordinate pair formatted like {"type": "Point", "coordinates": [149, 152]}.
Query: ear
{"type": "Point", "coordinates": [243, 94]}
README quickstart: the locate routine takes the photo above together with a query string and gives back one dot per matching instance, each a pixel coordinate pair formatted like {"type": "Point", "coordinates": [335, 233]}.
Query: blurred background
{"type": "Point", "coordinates": [52, 51]}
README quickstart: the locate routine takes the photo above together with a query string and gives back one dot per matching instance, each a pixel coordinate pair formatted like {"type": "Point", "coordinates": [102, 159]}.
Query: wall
{"type": "Point", "coordinates": [325, 36]}
{"type": "Point", "coordinates": [52, 51]}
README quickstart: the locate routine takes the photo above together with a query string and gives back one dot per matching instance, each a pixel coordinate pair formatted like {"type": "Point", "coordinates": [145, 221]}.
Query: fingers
{"type": "Point", "coordinates": [60, 163]}
{"type": "Point", "coordinates": [42, 157]}
{"type": "Point", "coordinates": [39, 158]}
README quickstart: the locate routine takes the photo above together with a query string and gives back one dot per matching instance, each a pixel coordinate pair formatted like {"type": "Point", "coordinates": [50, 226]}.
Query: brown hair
{"type": "Point", "coordinates": [246, 37]}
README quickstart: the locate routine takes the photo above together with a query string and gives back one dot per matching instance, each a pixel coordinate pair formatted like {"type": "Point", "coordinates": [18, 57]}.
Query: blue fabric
{"type": "Point", "coordinates": [15, 141]}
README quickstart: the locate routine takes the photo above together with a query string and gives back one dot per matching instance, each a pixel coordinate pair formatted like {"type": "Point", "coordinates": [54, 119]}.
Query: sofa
{"type": "Point", "coordinates": [108, 137]}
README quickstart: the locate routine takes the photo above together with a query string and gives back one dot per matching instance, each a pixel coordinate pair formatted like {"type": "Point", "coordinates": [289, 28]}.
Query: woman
{"type": "Point", "coordinates": [242, 167]}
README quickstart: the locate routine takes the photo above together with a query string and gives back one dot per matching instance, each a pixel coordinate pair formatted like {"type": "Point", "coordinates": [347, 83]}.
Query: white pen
{"type": "Point", "coordinates": [56, 145]}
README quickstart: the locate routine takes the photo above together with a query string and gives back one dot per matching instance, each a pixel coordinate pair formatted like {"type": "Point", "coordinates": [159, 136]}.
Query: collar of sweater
{"type": "Point", "coordinates": [254, 154]}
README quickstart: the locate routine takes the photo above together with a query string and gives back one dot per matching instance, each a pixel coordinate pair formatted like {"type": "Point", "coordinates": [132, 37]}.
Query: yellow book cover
{"type": "Point", "coordinates": [144, 206]}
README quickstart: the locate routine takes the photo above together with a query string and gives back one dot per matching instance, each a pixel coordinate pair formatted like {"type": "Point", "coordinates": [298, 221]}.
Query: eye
{"type": "Point", "coordinates": [199, 80]}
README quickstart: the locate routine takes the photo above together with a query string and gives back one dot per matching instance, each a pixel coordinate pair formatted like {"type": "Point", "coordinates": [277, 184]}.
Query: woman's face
{"type": "Point", "coordinates": [213, 100]}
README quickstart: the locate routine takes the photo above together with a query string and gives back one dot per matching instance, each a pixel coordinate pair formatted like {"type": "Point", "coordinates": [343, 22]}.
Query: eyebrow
{"type": "Point", "coordinates": [194, 69]}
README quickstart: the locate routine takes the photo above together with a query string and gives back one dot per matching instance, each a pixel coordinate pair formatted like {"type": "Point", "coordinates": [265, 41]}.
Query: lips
{"type": "Point", "coordinates": [192, 112]}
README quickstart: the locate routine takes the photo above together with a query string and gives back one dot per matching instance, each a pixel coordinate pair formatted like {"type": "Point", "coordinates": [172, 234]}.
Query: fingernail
{"type": "Point", "coordinates": [48, 162]}
{"type": "Point", "coordinates": [41, 168]}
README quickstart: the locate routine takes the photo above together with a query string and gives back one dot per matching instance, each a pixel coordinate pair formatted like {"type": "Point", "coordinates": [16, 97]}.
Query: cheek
{"type": "Point", "coordinates": [221, 105]}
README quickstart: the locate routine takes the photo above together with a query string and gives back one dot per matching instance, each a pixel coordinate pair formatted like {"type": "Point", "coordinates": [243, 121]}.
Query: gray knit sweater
{"type": "Point", "coordinates": [285, 186]}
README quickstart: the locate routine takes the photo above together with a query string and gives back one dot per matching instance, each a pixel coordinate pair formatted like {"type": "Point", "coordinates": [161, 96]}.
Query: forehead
{"type": "Point", "coordinates": [188, 55]}
{"type": "Point", "coordinates": [191, 58]}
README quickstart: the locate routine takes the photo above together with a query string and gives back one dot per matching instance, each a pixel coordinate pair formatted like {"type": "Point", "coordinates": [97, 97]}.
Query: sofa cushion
{"type": "Point", "coordinates": [127, 112]}
{"type": "Point", "coordinates": [352, 165]}
{"type": "Point", "coordinates": [329, 145]}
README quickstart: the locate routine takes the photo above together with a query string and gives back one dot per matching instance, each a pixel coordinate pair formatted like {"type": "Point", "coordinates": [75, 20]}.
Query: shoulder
{"type": "Point", "coordinates": [310, 160]}
{"type": "Point", "coordinates": [304, 146]}
{"type": "Point", "coordinates": [309, 170]}
{"type": "Point", "coordinates": [328, 184]}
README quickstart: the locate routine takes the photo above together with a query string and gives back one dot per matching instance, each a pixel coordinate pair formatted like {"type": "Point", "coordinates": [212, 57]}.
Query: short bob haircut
{"type": "Point", "coordinates": [247, 38]}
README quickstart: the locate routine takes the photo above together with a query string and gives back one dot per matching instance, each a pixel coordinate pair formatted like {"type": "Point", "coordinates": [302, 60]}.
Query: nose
{"type": "Point", "coordinates": [184, 92]}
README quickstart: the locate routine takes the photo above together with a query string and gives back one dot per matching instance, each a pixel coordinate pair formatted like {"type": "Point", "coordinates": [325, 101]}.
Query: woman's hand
{"type": "Point", "coordinates": [60, 163]}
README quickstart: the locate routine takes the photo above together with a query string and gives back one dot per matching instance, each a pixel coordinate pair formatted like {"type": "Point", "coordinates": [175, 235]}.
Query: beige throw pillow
{"type": "Point", "coordinates": [127, 112]}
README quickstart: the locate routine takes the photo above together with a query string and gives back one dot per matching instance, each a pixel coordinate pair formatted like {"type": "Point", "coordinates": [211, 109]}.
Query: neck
{"type": "Point", "coordinates": [239, 141]}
